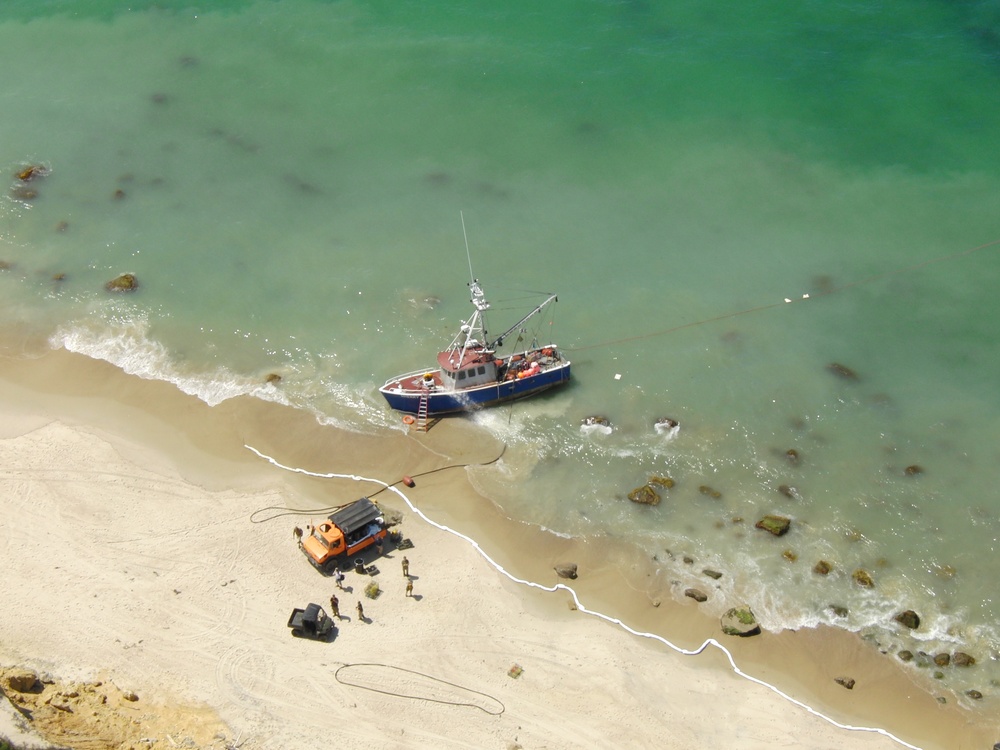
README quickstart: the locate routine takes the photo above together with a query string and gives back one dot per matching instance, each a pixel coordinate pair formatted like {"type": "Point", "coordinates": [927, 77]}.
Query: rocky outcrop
{"type": "Point", "coordinates": [21, 681]}
{"type": "Point", "coordinates": [697, 594]}
{"type": "Point", "coordinates": [740, 621]}
{"type": "Point", "coordinates": [777, 525]}
{"type": "Point", "coordinates": [847, 682]}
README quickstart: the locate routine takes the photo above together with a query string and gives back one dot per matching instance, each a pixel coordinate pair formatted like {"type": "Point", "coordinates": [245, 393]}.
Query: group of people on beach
{"type": "Point", "coordinates": [338, 578]}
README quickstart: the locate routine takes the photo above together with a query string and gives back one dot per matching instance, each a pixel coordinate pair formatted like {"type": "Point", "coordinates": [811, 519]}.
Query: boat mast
{"type": "Point", "coordinates": [466, 337]}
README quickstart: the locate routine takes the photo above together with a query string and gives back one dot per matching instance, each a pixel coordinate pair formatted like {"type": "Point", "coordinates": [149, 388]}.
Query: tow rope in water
{"type": "Point", "coordinates": [786, 300]}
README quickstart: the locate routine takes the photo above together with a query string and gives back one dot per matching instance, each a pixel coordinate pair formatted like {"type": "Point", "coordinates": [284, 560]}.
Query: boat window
{"type": "Point", "coordinates": [481, 370]}
{"type": "Point", "coordinates": [461, 375]}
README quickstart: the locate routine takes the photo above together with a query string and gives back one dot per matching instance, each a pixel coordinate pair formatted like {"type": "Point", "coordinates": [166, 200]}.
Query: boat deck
{"type": "Point", "coordinates": [515, 367]}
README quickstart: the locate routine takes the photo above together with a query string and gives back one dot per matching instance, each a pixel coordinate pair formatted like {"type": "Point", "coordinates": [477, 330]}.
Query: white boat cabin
{"type": "Point", "coordinates": [468, 368]}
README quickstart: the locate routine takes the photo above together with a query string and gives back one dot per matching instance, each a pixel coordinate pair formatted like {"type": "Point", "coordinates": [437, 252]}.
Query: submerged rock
{"type": "Point", "coordinates": [913, 470]}
{"type": "Point", "coordinates": [31, 171]}
{"type": "Point", "coordinates": [661, 481]}
{"type": "Point", "coordinates": [822, 568]}
{"type": "Point", "coordinates": [962, 659]}
{"type": "Point", "coordinates": [788, 491]}
{"type": "Point", "coordinates": [697, 594]}
{"type": "Point", "coordinates": [740, 621]}
{"type": "Point", "coordinates": [127, 282]}
{"type": "Point", "coordinates": [667, 426]}
{"type": "Point", "coordinates": [273, 378]}
{"type": "Point", "coordinates": [838, 610]}
{"type": "Point", "coordinates": [644, 495]}
{"type": "Point", "coordinates": [792, 455]}
{"type": "Point", "coordinates": [909, 619]}
{"type": "Point", "coordinates": [22, 193]}
{"type": "Point", "coordinates": [842, 371]}
{"type": "Point", "coordinates": [863, 578]}
{"type": "Point", "coordinates": [777, 525]}
{"type": "Point", "coordinates": [905, 655]}
{"type": "Point", "coordinates": [706, 490]}
{"type": "Point", "coordinates": [712, 573]}
{"type": "Point", "coordinates": [596, 424]}
{"type": "Point", "coordinates": [566, 570]}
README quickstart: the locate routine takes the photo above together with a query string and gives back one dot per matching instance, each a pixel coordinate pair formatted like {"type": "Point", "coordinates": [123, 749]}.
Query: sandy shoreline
{"type": "Point", "coordinates": [128, 509]}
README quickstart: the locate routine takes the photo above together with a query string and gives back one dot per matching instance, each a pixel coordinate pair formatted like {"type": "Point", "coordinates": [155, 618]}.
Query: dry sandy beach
{"type": "Point", "coordinates": [137, 553]}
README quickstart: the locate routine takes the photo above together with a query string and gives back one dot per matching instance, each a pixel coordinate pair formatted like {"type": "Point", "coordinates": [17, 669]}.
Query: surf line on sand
{"type": "Point", "coordinates": [711, 642]}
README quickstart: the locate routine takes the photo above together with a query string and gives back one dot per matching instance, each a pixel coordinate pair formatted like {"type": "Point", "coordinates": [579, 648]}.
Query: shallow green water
{"type": "Point", "coordinates": [291, 176]}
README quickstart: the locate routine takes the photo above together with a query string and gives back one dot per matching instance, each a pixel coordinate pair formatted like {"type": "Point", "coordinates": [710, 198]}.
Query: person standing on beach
{"type": "Point", "coordinates": [361, 611]}
{"type": "Point", "coordinates": [335, 606]}
{"type": "Point", "coordinates": [338, 578]}
{"type": "Point", "coordinates": [409, 587]}
{"type": "Point", "coordinates": [406, 567]}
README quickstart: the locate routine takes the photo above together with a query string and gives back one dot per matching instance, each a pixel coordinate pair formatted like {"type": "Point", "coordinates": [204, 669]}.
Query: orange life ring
{"type": "Point", "coordinates": [408, 419]}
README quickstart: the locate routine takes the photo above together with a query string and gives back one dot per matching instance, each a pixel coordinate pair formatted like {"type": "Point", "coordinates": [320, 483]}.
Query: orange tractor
{"type": "Point", "coordinates": [354, 527]}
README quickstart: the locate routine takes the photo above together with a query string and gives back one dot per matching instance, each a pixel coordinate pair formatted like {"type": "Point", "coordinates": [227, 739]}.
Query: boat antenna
{"type": "Point", "coordinates": [468, 255]}
{"type": "Point", "coordinates": [478, 296]}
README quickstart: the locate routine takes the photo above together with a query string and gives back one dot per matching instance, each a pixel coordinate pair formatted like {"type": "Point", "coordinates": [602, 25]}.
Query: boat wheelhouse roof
{"type": "Point", "coordinates": [470, 357]}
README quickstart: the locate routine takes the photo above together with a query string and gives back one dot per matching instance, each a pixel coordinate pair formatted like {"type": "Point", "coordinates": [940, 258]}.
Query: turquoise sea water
{"type": "Point", "coordinates": [285, 180]}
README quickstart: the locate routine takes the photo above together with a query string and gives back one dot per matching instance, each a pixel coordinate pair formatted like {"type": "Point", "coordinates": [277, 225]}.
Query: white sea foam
{"type": "Point", "coordinates": [667, 430]}
{"type": "Point", "coordinates": [125, 342]}
{"type": "Point", "coordinates": [589, 428]}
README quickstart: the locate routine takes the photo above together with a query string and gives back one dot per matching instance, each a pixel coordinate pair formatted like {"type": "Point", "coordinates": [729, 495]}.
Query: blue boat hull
{"type": "Point", "coordinates": [449, 402]}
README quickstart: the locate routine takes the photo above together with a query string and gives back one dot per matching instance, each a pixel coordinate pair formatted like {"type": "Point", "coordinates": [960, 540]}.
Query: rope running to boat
{"type": "Point", "coordinates": [787, 300]}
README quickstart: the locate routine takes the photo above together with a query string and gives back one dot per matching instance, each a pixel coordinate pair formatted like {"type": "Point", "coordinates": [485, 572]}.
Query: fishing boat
{"type": "Point", "coordinates": [471, 375]}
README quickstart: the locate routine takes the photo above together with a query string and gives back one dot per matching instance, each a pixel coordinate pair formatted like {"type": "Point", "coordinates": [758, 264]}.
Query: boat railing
{"type": "Point", "coordinates": [398, 380]}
